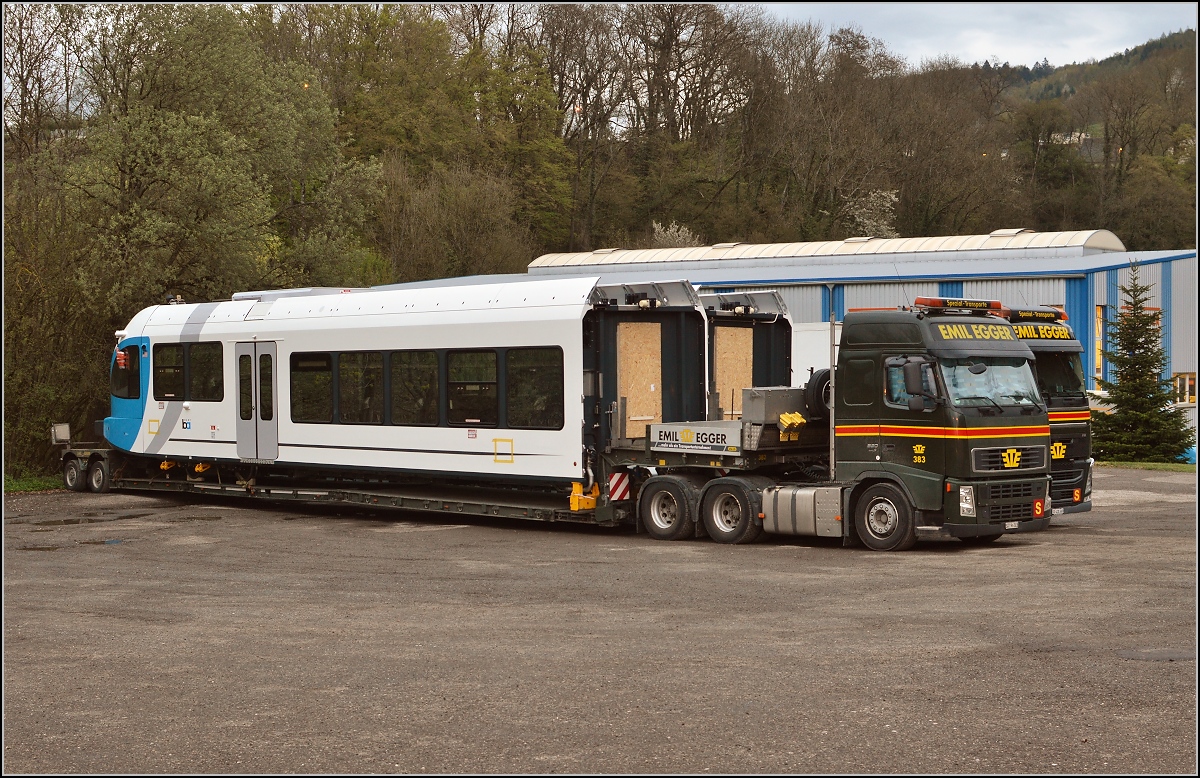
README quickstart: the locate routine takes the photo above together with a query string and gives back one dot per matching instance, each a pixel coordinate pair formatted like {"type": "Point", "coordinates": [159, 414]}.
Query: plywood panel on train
{"type": "Point", "coordinates": [639, 374]}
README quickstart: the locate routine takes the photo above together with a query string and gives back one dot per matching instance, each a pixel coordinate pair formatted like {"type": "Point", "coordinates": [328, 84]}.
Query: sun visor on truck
{"type": "Point", "coordinates": [1047, 337]}
{"type": "Point", "coordinates": [968, 337]}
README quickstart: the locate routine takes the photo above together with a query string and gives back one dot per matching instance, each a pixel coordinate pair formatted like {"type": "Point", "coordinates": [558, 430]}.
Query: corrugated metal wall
{"type": "Point", "coordinates": [1018, 291]}
{"type": "Point", "coordinates": [888, 295]}
{"type": "Point", "coordinates": [1148, 275]}
{"type": "Point", "coordinates": [803, 302]}
{"type": "Point", "coordinates": [1182, 311]}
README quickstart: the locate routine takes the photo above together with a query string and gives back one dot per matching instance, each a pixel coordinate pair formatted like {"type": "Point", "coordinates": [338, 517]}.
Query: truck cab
{"type": "Point", "coordinates": [1058, 369]}
{"type": "Point", "coordinates": [938, 412]}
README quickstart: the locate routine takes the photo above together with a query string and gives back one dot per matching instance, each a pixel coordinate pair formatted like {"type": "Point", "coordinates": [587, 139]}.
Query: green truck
{"type": "Point", "coordinates": [1058, 368]}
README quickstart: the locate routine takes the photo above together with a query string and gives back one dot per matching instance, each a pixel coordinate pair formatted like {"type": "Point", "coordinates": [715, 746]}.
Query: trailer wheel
{"type": "Point", "coordinates": [727, 516]}
{"type": "Point", "coordinates": [665, 510]}
{"type": "Point", "coordinates": [98, 480]}
{"type": "Point", "coordinates": [884, 519]}
{"type": "Point", "coordinates": [73, 476]}
{"type": "Point", "coordinates": [816, 395]}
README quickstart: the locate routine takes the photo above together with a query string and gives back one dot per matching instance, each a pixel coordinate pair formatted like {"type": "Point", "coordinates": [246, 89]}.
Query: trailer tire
{"type": "Point", "coordinates": [73, 476]}
{"type": "Point", "coordinates": [665, 510]}
{"type": "Point", "coordinates": [884, 519]}
{"type": "Point", "coordinates": [727, 514]}
{"type": "Point", "coordinates": [98, 479]}
{"type": "Point", "coordinates": [816, 395]}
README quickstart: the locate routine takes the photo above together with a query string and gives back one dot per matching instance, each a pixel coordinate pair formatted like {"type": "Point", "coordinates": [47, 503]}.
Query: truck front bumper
{"type": "Point", "coordinates": [948, 530]}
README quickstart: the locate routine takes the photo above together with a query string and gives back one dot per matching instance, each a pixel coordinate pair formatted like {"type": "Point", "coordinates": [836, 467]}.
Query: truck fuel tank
{"type": "Point", "coordinates": [803, 510]}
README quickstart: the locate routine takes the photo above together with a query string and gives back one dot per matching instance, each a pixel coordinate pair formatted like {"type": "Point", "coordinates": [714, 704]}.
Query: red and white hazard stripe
{"type": "Point", "coordinates": [619, 486]}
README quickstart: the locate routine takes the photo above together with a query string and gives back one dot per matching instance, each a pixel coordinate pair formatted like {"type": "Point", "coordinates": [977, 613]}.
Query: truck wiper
{"type": "Point", "coordinates": [1019, 397]}
{"type": "Point", "coordinates": [980, 397]}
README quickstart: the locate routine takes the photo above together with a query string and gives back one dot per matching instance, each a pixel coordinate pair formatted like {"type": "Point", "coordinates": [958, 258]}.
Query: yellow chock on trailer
{"type": "Point", "coordinates": [581, 501]}
{"type": "Point", "coordinates": [789, 425]}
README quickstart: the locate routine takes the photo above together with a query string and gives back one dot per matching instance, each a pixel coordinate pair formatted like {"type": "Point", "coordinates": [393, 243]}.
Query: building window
{"type": "Point", "coordinates": [1099, 341]}
{"type": "Point", "coordinates": [1185, 387]}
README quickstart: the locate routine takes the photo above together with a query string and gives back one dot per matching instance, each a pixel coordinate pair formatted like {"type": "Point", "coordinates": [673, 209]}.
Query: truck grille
{"type": "Point", "coordinates": [1065, 483]}
{"type": "Point", "coordinates": [1007, 491]}
{"type": "Point", "coordinates": [1009, 458]}
{"type": "Point", "coordinates": [1022, 511]}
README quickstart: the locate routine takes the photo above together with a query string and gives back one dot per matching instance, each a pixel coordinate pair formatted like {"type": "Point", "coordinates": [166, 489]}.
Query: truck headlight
{"type": "Point", "coordinates": [1087, 486]}
{"type": "Point", "coordinates": [966, 500]}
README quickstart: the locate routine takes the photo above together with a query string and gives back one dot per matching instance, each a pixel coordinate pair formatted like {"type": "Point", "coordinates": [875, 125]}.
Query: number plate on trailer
{"type": "Point", "coordinates": [1057, 511]}
{"type": "Point", "coordinates": [1011, 524]}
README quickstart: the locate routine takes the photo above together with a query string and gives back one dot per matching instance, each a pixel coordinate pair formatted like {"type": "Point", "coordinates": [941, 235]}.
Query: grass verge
{"type": "Point", "coordinates": [1172, 467]}
{"type": "Point", "coordinates": [31, 483]}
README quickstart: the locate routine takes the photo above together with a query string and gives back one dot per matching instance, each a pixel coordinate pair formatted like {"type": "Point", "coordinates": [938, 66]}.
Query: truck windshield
{"type": "Point", "coordinates": [1059, 374]}
{"type": "Point", "coordinates": [990, 381]}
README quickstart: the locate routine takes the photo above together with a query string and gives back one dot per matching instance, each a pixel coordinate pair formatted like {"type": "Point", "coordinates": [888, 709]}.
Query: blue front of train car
{"type": "Point", "coordinates": [128, 406]}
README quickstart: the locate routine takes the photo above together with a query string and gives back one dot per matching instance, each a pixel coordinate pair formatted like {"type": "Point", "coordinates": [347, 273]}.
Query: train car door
{"type": "Point", "coordinates": [257, 421]}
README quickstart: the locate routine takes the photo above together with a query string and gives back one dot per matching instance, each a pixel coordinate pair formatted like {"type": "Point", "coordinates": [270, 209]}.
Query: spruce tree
{"type": "Point", "coordinates": [1144, 425]}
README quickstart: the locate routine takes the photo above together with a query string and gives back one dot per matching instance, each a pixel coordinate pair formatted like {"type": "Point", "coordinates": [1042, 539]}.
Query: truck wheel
{"type": "Point", "coordinates": [73, 477]}
{"type": "Point", "coordinates": [97, 479]}
{"type": "Point", "coordinates": [665, 510]}
{"type": "Point", "coordinates": [726, 512]}
{"type": "Point", "coordinates": [816, 395]}
{"type": "Point", "coordinates": [884, 519]}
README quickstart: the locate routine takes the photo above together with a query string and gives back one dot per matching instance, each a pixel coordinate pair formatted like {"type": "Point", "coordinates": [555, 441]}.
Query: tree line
{"type": "Point", "coordinates": [205, 149]}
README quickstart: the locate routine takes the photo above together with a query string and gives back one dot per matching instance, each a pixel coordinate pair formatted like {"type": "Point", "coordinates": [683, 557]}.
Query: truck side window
{"type": "Point", "coordinates": [856, 382]}
{"type": "Point", "coordinates": [894, 393]}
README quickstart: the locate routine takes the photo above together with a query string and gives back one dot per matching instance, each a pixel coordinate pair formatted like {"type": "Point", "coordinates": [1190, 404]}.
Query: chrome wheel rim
{"type": "Point", "coordinates": [664, 510]}
{"type": "Point", "coordinates": [726, 512]}
{"type": "Point", "coordinates": [882, 518]}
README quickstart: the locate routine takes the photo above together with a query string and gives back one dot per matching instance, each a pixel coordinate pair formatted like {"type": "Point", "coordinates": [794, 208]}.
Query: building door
{"type": "Point", "coordinates": [257, 421]}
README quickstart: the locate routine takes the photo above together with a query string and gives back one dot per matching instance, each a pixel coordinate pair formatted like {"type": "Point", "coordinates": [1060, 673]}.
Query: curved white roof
{"type": "Point", "coordinates": [1019, 241]}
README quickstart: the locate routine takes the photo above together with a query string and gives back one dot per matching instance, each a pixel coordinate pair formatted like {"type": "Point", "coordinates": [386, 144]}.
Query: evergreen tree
{"type": "Point", "coordinates": [1144, 425]}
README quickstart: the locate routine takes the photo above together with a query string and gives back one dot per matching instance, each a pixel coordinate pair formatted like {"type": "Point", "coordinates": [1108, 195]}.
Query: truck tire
{"type": "Point", "coordinates": [727, 514]}
{"type": "Point", "coordinates": [665, 510]}
{"type": "Point", "coordinates": [816, 395]}
{"type": "Point", "coordinates": [73, 475]}
{"type": "Point", "coordinates": [883, 519]}
{"type": "Point", "coordinates": [98, 480]}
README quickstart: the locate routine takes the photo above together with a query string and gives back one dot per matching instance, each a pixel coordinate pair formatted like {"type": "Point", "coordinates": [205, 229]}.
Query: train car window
{"type": "Point", "coordinates": [206, 382]}
{"type": "Point", "coordinates": [265, 409]}
{"type": "Point", "coordinates": [360, 387]}
{"type": "Point", "coordinates": [312, 387]}
{"type": "Point", "coordinates": [126, 381]}
{"type": "Point", "coordinates": [168, 371]}
{"type": "Point", "coordinates": [534, 387]}
{"type": "Point", "coordinates": [246, 387]}
{"type": "Point", "coordinates": [472, 388]}
{"type": "Point", "coordinates": [414, 388]}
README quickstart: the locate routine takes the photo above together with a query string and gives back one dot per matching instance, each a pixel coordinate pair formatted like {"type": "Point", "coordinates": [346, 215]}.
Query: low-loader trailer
{"type": "Point", "coordinates": [568, 400]}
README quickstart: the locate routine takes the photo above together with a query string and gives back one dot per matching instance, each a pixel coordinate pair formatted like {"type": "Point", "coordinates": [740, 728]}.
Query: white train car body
{"type": "Point", "coordinates": [251, 414]}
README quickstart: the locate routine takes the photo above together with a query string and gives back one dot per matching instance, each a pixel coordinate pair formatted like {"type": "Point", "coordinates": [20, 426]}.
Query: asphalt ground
{"type": "Point", "coordinates": [149, 634]}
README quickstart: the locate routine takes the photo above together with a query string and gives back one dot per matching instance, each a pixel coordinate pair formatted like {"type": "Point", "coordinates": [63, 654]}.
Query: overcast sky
{"type": "Point", "coordinates": [1017, 33]}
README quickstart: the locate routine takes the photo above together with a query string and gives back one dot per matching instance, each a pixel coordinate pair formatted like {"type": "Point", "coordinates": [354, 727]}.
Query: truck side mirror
{"type": "Point", "coordinates": [912, 379]}
{"type": "Point", "coordinates": [916, 403]}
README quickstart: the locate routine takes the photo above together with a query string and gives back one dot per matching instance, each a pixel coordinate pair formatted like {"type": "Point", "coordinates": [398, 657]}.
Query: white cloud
{"type": "Point", "coordinates": [1018, 33]}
